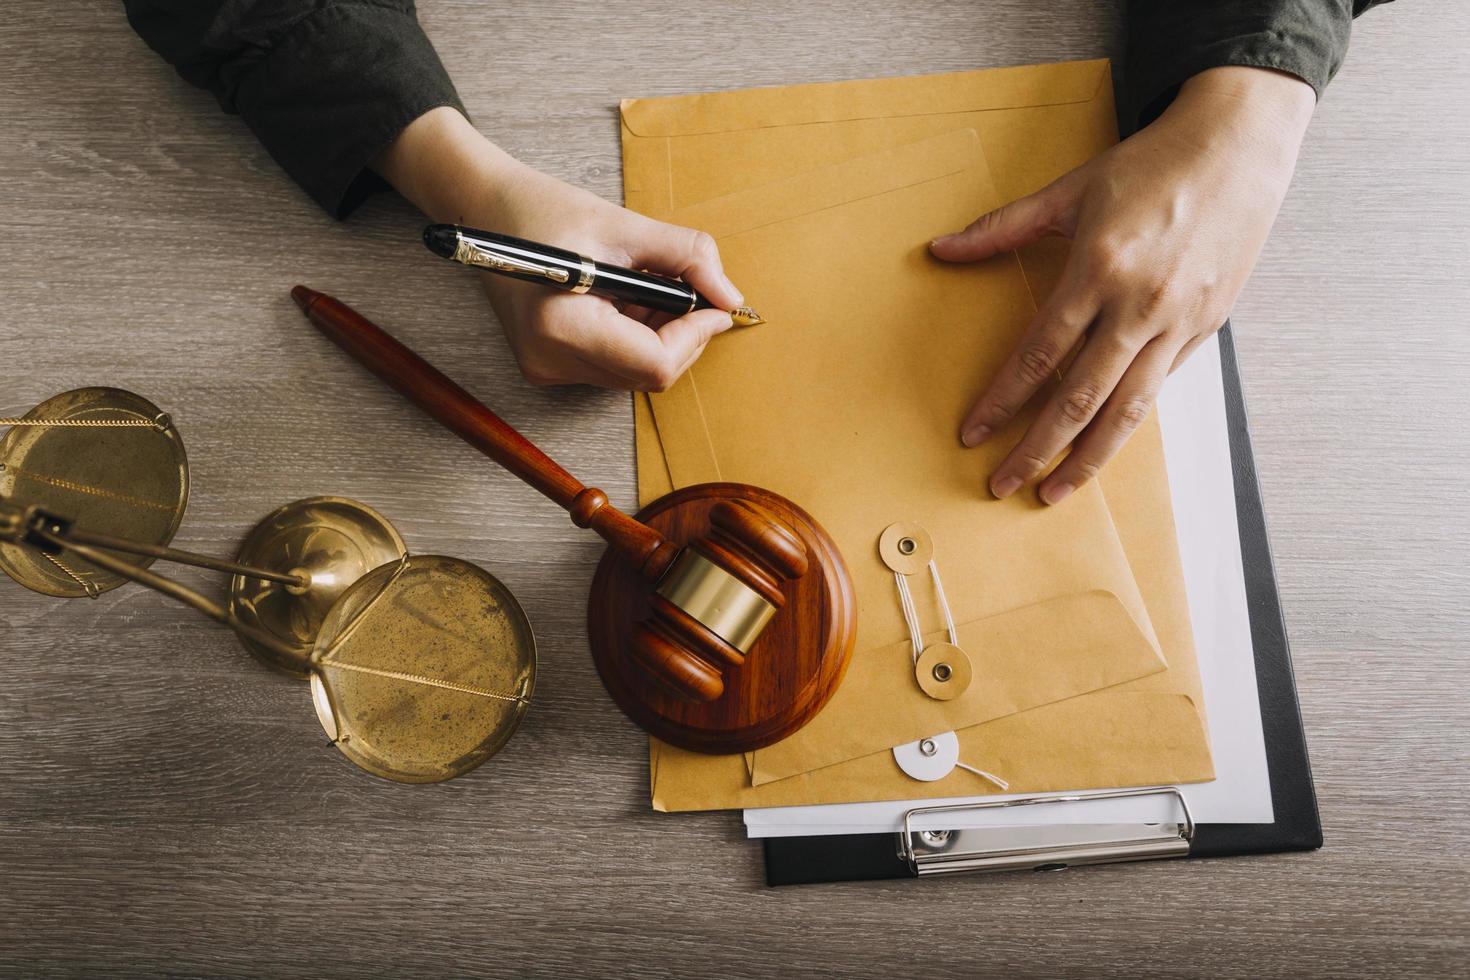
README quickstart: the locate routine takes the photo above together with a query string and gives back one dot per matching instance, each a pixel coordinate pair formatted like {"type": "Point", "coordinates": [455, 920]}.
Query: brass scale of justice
{"type": "Point", "coordinates": [721, 618]}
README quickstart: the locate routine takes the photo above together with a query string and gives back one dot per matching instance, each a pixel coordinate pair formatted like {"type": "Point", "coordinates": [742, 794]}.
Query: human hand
{"type": "Point", "coordinates": [454, 174]}
{"type": "Point", "coordinates": [1165, 227]}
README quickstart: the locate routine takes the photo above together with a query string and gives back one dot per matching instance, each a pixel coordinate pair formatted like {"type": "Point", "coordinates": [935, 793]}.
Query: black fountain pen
{"type": "Point", "coordinates": [563, 269]}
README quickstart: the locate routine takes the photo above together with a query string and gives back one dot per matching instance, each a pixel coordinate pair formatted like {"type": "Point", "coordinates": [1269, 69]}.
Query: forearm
{"type": "Point", "coordinates": [323, 86]}
{"type": "Point", "coordinates": [1258, 116]}
{"type": "Point", "coordinates": [442, 164]}
{"type": "Point", "coordinates": [1170, 41]}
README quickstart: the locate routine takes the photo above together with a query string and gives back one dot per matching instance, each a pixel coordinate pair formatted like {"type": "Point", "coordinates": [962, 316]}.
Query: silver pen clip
{"type": "Point", "coordinates": [471, 254]}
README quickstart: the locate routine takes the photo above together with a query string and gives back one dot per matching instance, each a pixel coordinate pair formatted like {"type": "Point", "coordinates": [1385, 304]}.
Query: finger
{"type": "Point", "coordinates": [581, 371]}
{"type": "Point", "coordinates": [576, 369]}
{"type": "Point", "coordinates": [633, 384]}
{"type": "Point", "coordinates": [551, 368]}
{"type": "Point", "coordinates": [1018, 223]}
{"type": "Point", "coordinates": [689, 254]}
{"type": "Point", "coordinates": [694, 355]}
{"type": "Point", "coordinates": [635, 312]}
{"type": "Point", "coordinates": [650, 360]}
{"type": "Point", "coordinates": [1125, 410]}
{"type": "Point", "coordinates": [654, 319]}
{"type": "Point", "coordinates": [1186, 350]}
{"type": "Point", "coordinates": [1053, 333]}
{"type": "Point", "coordinates": [685, 338]}
{"type": "Point", "coordinates": [1088, 382]}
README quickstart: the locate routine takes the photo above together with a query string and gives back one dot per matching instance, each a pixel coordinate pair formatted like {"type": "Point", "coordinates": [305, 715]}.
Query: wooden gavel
{"type": "Point", "coordinates": [711, 599]}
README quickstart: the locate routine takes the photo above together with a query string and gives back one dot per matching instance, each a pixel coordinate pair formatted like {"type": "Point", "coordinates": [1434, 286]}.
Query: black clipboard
{"type": "Point", "coordinates": [1296, 827]}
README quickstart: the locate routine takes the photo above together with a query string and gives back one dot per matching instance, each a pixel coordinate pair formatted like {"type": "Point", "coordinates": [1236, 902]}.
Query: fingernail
{"type": "Point", "coordinates": [739, 296]}
{"type": "Point", "coordinates": [975, 435]}
{"type": "Point", "coordinates": [1056, 493]}
{"type": "Point", "coordinates": [1005, 486]}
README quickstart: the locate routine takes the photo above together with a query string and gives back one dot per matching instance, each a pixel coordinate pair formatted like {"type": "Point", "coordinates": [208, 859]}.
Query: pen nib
{"type": "Point", "coordinates": [744, 316]}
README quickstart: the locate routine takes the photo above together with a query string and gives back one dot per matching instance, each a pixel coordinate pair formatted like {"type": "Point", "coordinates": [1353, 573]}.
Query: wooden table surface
{"type": "Point", "coordinates": [168, 807]}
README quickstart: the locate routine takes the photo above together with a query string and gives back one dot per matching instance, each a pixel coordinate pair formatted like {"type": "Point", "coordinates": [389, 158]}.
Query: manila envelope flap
{"type": "Point", "coordinates": [875, 445]}
{"type": "Point", "coordinates": [984, 90]}
{"type": "Point", "coordinates": [1082, 632]}
{"type": "Point", "coordinates": [1102, 741]}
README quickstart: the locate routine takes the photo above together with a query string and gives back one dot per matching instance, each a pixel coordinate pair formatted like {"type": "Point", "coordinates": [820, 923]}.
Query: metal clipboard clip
{"type": "Point", "coordinates": [1042, 848]}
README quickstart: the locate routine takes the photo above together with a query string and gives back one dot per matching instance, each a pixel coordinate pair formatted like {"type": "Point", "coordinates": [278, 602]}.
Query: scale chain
{"type": "Point", "coordinates": [93, 491]}
{"type": "Point", "coordinates": [358, 618]}
{"type": "Point", "coordinates": [87, 584]}
{"type": "Point", "coordinates": [420, 679]}
{"type": "Point", "coordinates": [160, 423]}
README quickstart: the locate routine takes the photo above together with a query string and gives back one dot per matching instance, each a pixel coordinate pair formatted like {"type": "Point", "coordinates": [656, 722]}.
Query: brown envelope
{"type": "Point", "coordinates": [1148, 731]}
{"type": "Point", "coordinates": [1035, 123]}
{"type": "Point", "coordinates": [1091, 640]}
{"type": "Point", "coordinates": [842, 417]}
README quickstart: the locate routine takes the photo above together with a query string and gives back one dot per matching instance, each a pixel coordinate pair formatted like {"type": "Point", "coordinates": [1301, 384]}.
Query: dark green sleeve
{"type": "Point", "coordinates": [1171, 40]}
{"type": "Point", "coordinates": [324, 84]}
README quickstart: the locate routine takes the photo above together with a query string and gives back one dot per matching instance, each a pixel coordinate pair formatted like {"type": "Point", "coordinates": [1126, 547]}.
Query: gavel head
{"type": "Point", "coordinates": [717, 596]}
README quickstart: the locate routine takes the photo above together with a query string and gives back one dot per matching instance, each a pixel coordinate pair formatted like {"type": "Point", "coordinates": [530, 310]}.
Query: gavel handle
{"type": "Point", "coordinates": [424, 385]}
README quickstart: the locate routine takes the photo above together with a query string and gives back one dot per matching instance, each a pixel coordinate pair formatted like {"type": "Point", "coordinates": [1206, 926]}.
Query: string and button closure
{"type": "Point", "coordinates": [931, 759]}
{"type": "Point", "coordinates": [942, 670]}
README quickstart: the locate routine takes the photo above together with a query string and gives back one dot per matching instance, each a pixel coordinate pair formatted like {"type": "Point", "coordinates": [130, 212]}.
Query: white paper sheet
{"type": "Point", "coordinates": [1201, 481]}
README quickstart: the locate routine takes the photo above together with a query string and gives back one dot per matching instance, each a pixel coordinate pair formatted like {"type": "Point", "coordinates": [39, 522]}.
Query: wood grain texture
{"type": "Point", "coordinates": [166, 806]}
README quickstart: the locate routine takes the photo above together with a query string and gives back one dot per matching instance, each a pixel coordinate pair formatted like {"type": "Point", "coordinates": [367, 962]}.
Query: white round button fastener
{"type": "Point", "coordinates": [929, 759]}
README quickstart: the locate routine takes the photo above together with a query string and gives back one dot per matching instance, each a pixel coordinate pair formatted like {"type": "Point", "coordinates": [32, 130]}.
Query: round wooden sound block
{"type": "Point", "coordinates": [789, 673]}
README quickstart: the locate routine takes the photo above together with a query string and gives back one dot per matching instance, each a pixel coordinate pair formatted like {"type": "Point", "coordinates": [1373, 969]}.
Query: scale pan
{"type": "Point", "coordinates": [116, 466]}
{"type": "Point", "coordinates": [331, 540]}
{"type": "Point", "coordinates": [423, 669]}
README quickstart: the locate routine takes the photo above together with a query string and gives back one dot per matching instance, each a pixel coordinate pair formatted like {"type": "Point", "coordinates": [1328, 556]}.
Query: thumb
{"type": "Point", "coordinates": [1018, 223]}
{"type": "Point", "coordinates": [689, 254]}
